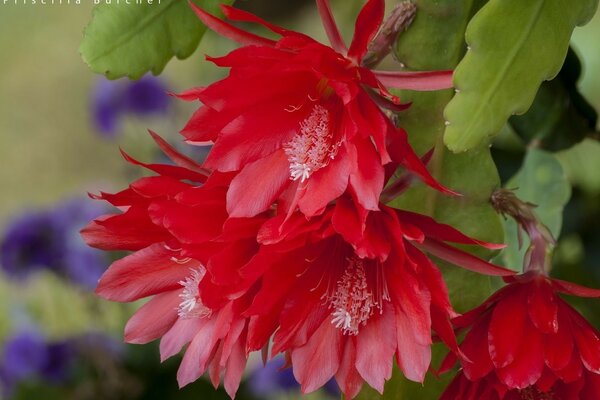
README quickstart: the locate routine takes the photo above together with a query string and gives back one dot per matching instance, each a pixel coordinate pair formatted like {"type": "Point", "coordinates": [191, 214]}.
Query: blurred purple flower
{"type": "Point", "coordinates": [113, 99]}
{"type": "Point", "coordinates": [50, 239]}
{"type": "Point", "coordinates": [272, 379]}
{"type": "Point", "coordinates": [27, 356]}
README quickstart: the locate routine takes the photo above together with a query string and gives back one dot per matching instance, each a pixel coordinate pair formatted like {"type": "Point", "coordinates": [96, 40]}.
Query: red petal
{"type": "Point", "coordinates": [507, 328]}
{"type": "Point", "coordinates": [441, 232]}
{"type": "Point", "coordinates": [143, 273]}
{"type": "Point", "coordinates": [153, 319]}
{"type": "Point", "coordinates": [422, 80]}
{"type": "Point", "coordinates": [229, 31]}
{"type": "Point", "coordinates": [463, 259]}
{"type": "Point", "coordinates": [331, 28]}
{"type": "Point", "coordinates": [367, 25]}
{"type": "Point", "coordinates": [413, 325]}
{"type": "Point", "coordinates": [558, 347]}
{"type": "Point", "coordinates": [366, 177]}
{"type": "Point", "coordinates": [177, 157]}
{"type": "Point", "coordinates": [347, 377]}
{"type": "Point", "coordinates": [319, 359]}
{"type": "Point", "coordinates": [325, 185]}
{"type": "Point", "coordinates": [375, 348]}
{"type": "Point", "coordinates": [528, 364]}
{"type": "Point", "coordinates": [574, 289]}
{"type": "Point", "coordinates": [235, 14]}
{"type": "Point", "coordinates": [402, 153]}
{"type": "Point", "coordinates": [257, 186]}
{"type": "Point", "coordinates": [543, 309]}
{"type": "Point", "coordinates": [588, 342]}
{"type": "Point", "coordinates": [172, 171]}
{"type": "Point", "coordinates": [475, 346]}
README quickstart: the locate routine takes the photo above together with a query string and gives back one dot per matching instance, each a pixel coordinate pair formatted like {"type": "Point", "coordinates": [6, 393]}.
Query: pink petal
{"type": "Point", "coordinates": [330, 27]}
{"type": "Point", "coordinates": [257, 186]}
{"type": "Point", "coordinates": [153, 319]}
{"type": "Point", "coordinates": [319, 359]}
{"type": "Point", "coordinates": [367, 25]}
{"type": "Point", "coordinates": [180, 334]}
{"type": "Point", "coordinates": [375, 348]}
{"type": "Point", "coordinates": [236, 364]}
{"type": "Point", "coordinates": [347, 377]}
{"type": "Point", "coordinates": [198, 354]}
{"type": "Point", "coordinates": [143, 273]}
{"type": "Point", "coordinates": [230, 31]}
{"type": "Point", "coordinates": [422, 80]}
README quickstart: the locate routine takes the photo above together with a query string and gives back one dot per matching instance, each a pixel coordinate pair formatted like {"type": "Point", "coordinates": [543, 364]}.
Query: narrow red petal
{"type": "Point", "coordinates": [463, 259]}
{"type": "Point", "coordinates": [367, 25]}
{"type": "Point", "coordinates": [421, 80]}
{"type": "Point", "coordinates": [331, 28]}
{"type": "Point", "coordinates": [229, 31]}
{"type": "Point", "coordinates": [574, 289]}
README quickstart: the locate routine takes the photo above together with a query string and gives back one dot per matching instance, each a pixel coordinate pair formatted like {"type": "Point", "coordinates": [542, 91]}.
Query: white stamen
{"type": "Point", "coordinates": [311, 149]}
{"type": "Point", "coordinates": [352, 302]}
{"type": "Point", "coordinates": [191, 306]}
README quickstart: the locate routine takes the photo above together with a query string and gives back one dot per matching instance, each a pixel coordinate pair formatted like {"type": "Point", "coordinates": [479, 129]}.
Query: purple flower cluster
{"type": "Point", "coordinates": [27, 356]}
{"type": "Point", "coordinates": [49, 239]}
{"type": "Point", "coordinates": [113, 99]}
{"type": "Point", "coordinates": [274, 378]}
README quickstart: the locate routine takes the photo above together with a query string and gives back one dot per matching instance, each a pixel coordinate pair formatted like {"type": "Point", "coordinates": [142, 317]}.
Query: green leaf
{"type": "Point", "coordinates": [560, 116]}
{"type": "Point", "coordinates": [514, 46]}
{"type": "Point", "coordinates": [435, 41]}
{"type": "Point", "coordinates": [540, 181]}
{"type": "Point", "coordinates": [127, 40]}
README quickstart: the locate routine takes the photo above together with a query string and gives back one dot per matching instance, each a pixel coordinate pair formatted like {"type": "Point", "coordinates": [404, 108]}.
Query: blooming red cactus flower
{"type": "Point", "coordinates": [179, 234]}
{"type": "Point", "coordinates": [341, 299]}
{"type": "Point", "coordinates": [525, 342]}
{"type": "Point", "coordinates": [300, 120]}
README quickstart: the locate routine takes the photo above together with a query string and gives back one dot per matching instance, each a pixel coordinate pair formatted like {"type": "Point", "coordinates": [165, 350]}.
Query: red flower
{"type": "Point", "coordinates": [179, 234]}
{"type": "Point", "coordinates": [525, 342]}
{"type": "Point", "coordinates": [342, 299]}
{"type": "Point", "coordinates": [301, 121]}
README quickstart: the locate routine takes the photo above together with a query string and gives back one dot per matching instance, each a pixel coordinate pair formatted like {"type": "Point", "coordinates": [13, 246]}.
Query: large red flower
{"type": "Point", "coordinates": [301, 120]}
{"type": "Point", "coordinates": [178, 233]}
{"type": "Point", "coordinates": [343, 299]}
{"type": "Point", "coordinates": [525, 342]}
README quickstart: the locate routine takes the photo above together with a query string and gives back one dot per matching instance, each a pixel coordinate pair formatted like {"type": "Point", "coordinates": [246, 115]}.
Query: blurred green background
{"type": "Point", "coordinates": [50, 151]}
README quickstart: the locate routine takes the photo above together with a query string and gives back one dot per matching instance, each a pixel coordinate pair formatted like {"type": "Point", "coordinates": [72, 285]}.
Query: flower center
{"type": "Point", "coordinates": [353, 302]}
{"type": "Point", "coordinates": [311, 149]}
{"type": "Point", "coordinates": [191, 306]}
